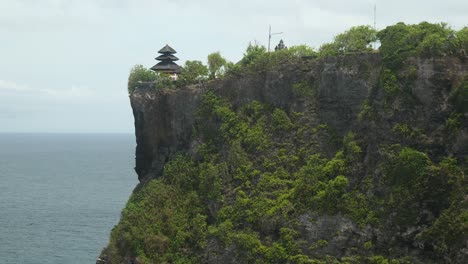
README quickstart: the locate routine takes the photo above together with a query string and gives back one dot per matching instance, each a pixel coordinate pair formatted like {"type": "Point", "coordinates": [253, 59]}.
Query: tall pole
{"type": "Point", "coordinates": [375, 16]}
{"type": "Point", "coordinates": [375, 21]}
{"type": "Point", "coordinates": [269, 36]}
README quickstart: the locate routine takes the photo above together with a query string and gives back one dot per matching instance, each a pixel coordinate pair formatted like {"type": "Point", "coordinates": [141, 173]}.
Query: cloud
{"type": "Point", "coordinates": [49, 15]}
{"type": "Point", "coordinates": [75, 92]}
{"type": "Point", "coordinates": [72, 56]}
{"type": "Point", "coordinates": [13, 86]}
{"type": "Point", "coordinates": [12, 91]}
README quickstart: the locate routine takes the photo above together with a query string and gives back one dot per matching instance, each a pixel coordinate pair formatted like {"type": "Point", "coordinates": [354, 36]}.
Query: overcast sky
{"type": "Point", "coordinates": [64, 63]}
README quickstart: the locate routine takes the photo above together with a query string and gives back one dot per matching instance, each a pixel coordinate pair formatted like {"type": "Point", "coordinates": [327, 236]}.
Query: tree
{"type": "Point", "coordinates": [432, 45]}
{"type": "Point", "coordinates": [435, 39]}
{"type": "Point", "coordinates": [462, 38]}
{"type": "Point", "coordinates": [192, 72]}
{"type": "Point", "coordinates": [356, 39]}
{"type": "Point", "coordinates": [216, 65]}
{"type": "Point", "coordinates": [301, 51]}
{"type": "Point", "coordinates": [329, 49]}
{"type": "Point", "coordinates": [252, 54]}
{"type": "Point", "coordinates": [140, 74]}
{"type": "Point", "coordinates": [400, 41]}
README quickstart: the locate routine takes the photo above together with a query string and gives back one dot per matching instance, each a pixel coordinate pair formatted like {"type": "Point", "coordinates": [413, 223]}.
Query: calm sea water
{"type": "Point", "coordinates": [61, 194]}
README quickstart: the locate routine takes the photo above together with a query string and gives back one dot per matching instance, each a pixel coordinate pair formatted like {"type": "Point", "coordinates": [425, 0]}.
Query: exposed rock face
{"type": "Point", "coordinates": [164, 119]}
{"type": "Point", "coordinates": [163, 125]}
{"type": "Point", "coordinates": [333, 91]}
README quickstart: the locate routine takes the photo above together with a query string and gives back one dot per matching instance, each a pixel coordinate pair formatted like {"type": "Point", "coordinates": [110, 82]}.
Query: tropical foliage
{"type": "Point", "coordinates": [356, 39]}
{"type": "Point", "coordinates": [216, 65]}
{"type": "Point", "coordinates": [251, 179]}
{"type": "Point", "coordinates": [140, 74]}
{"type": "Point", "coordinates": [192, 72]}
{"type": "Point", "coordinates": [258, 170]}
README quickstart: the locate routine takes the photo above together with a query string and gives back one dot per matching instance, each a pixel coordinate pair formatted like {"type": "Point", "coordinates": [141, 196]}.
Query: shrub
{"type": "Point", "coordinates": [257, 59]}
{"type": "Point", "coordinates": [181, 172]}
{"type": "Point", "coordinates": [140, 74]}
{"type": "Point", "coordinates": [280, 120]}
{"type": "Point", "coordinates": [301, 51]}
{"type": "Point", "coordinates": [329, 49]}
{"type": "Point", "coordinates": [367, 112]}
{"type": "Point", "coordinates": [330, 195]}
{"type": "Point", "coordinates": [409, 167]}
{"type": "Point", "coordinates": [210, 185]}
{"type": "Point", "coordinates": [459, 96]}
{"type": "Point", "coordinates": [400, 41]}
{"type": "Point", "coordinates": [216, 65]}
{"type": "Point", "coordinates": [192, 72]}
{"type": "Point", "coordinates": [368, 245]}
{"type": "Point", "coordinates": [462, 39]}
{"type": "Point", "coordinates": [407, 132]}
{"type": "Point", "coordinates": [449, 231]}
{"type": "Point", "coordinates": [253, 54]}
{"type": "Point", "coordinates": [356, 39]}
{"type": "Point", "coordinates": [389, 83]}
{"type": "Point", "coordinates": [158, 222]}
{"type": "Point", "coordinates": [453, 123]}
{"type": "Point", "coordinates": [304, 89]}
{"type": "Point", "coordinates": [356, 205]}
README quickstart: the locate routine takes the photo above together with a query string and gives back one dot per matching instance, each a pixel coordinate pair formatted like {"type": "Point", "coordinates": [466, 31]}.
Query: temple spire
{"type": "Point", "coordinates": [167, 64]}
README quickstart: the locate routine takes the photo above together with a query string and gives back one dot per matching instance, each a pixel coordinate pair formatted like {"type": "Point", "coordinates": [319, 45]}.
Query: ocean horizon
{"type": "Point", "coordinates": [61, 194]}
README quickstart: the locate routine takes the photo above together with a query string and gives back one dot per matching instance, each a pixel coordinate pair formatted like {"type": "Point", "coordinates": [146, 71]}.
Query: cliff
{"type": "Point", "coordinates": [310, 161]}
{"type": "Point", "coordinates": [164, 118]}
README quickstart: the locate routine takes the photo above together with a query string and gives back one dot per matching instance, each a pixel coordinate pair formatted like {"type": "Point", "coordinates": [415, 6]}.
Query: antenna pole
{"type": "Point", "coordinates": [375, 22]}
{"type": "Point", "coordinates": [269, 36]}
{"type": "Point", "coordinates": [375, 16]}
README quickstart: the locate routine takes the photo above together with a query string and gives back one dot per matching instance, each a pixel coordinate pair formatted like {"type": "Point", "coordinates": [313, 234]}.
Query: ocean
{"type": "Point", "coordinates": [61, 194]}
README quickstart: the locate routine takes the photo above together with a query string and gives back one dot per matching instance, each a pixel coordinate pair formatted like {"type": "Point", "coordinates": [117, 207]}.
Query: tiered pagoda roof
{"type": "Point", "coordinates": [166, 64]}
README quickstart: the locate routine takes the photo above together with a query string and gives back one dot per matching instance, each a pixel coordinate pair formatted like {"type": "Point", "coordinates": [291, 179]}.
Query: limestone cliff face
{"type": "Point", "coordinates": [412, 107]}
{"type": "Point", "coordinates": [163, 125]}
{"type": "Point", "coordinates": [164, 119]}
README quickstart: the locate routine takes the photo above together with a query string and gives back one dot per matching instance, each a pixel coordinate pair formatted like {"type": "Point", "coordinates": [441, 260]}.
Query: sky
{"type": "Point", "coordinates": [64, 64]}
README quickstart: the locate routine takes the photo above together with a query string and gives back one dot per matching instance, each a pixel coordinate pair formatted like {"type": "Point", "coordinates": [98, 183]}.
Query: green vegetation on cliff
{"type": "Point", "coordinates": [262, 183]}
{"type": "Point", "coordinates": [397, 43]}
{"type": "Point", "coordinates": [247, 187]}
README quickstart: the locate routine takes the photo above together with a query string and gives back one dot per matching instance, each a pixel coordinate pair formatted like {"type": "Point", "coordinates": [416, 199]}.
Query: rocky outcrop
{"type": "Point", "coordinates": [163, 125]}
{"type": "Point", "coordinates": [346, 93]}
{"type": "Point", "coordinates": [164, 118]}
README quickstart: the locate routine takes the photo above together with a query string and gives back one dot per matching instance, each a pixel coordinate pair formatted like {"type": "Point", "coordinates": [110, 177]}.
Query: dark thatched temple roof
{"type": "Point", "coordinates": [166, 63]}
{"type": "Point", "coordinates": [167, 57]}
{"type": "Point", "coordinates": [167, 50]}
{"type": "Point", "coordinates": [166, 66]}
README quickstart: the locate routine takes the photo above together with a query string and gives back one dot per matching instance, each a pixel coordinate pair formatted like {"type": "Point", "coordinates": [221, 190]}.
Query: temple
{"type": "Point", "coordinates": [167, 64]}
{"type": "Point", "coordinates": [280, 46]}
